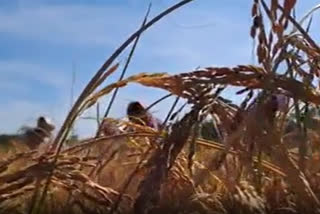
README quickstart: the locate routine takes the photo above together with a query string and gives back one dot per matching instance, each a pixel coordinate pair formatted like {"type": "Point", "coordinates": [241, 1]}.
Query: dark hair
{"type": "Point", "coordinates": [135, 108]}
{"type": "Point", "coordinates": [43, 123]}
{"type": "Point", "coordinates": [42, 118]}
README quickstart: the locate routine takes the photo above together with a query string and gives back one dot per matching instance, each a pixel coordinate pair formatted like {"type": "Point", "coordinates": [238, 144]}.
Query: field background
{"type": "Point", "coordinates": [246, 159]}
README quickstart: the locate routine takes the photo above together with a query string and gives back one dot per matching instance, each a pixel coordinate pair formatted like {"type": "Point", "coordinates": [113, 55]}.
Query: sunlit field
{"type": "Point", "coordinates": [206, 156]}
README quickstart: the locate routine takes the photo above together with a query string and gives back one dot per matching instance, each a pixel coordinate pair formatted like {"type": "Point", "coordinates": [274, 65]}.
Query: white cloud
{"type": "Point", "coordinates": [169, 46]}
{"type": "Point", "coordinates": [189, 34]}
{"type": "Point", "coordinates": [72, 24]}
{"type": "Point", "coordinates": [13, 71]}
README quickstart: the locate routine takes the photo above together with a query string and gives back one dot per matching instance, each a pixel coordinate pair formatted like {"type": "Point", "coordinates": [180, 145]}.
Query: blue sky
{"type": "Point", "coordinates": [41, 40]}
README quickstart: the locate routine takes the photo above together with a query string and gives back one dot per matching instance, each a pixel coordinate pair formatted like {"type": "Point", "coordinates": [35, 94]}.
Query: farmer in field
{"type": "Point", "coordinates": [43, 131]}
{"type": "Point", "coordinates": [31, 138]}
{"type": "Point", "coordinates": [137, 113]}
{"type": "Point", "coordinates": [276, 103]}
{"type": "Point", "coordinates": [270, 106]}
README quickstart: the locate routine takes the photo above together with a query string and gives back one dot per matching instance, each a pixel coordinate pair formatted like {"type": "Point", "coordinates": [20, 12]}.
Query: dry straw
{"type": "Point", "coordinates": [254, 166]}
